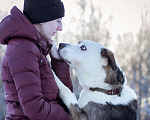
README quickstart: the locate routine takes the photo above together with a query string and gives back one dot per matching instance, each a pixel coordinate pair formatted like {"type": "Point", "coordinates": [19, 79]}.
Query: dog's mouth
{"type": "Point", "coordinates": [67, 61]}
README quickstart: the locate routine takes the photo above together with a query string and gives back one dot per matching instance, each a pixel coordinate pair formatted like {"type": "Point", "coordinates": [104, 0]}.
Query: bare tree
{"type": "Point", "coordinates": [134, 55]}
{"type": "Point", "coordinates": [94, 28]}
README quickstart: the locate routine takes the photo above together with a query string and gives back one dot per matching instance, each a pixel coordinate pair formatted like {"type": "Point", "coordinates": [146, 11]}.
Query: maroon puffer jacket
{"type": "Point", "coordinates": [31, 92]}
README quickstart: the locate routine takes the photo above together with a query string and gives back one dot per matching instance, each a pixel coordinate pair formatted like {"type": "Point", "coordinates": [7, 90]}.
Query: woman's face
{"type": "Point", "coordinates": [50, 28]}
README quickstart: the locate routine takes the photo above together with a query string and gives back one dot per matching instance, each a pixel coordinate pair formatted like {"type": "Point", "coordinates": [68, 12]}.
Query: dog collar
{"type": "Point", "coordinates": [108, 92]}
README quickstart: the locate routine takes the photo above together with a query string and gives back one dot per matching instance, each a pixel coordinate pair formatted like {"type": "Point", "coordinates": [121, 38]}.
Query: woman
{"type": "Point", "coordinates": [30, 90]}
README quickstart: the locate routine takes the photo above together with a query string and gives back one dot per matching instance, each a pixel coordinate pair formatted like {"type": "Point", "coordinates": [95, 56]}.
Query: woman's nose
{"type": "Point", "coordinates": [60, 27]}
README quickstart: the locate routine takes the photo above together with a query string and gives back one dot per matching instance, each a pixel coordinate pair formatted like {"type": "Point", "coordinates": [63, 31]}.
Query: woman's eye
{"type": "Point", "coordinates": [83, 47]}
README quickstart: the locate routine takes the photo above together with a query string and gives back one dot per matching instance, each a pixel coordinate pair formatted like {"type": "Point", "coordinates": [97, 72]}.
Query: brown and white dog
{"type": "Point", "coordinates": [105, 94]}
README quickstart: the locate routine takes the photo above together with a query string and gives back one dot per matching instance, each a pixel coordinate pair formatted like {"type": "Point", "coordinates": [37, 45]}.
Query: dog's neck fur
{"type": "Point", "coordinates": [90, 79]}
{"type": "Point", "coordinates": [95, 79]}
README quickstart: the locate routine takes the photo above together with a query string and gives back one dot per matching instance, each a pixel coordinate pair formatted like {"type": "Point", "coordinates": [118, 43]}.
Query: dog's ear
{"type": "Point", "coordinates": [110, 56]}
{"type": "Point", "coordinates": [120, 77]}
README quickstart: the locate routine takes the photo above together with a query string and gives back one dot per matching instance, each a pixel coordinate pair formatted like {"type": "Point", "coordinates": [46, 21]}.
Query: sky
{"type": "Point", "coordinates": [126, 13]}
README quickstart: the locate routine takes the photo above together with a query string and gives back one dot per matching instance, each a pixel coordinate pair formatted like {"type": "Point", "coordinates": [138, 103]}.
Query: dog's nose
{"type": "Point", "coordinates": [62, 45]}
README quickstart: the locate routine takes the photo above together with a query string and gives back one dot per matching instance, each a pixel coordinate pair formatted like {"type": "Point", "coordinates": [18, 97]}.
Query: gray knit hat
{"type": "Point", "coordinates": [39, 11]}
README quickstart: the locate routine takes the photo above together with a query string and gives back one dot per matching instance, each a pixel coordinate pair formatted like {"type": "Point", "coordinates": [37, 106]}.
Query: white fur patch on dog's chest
{"type": "Point", "coordinates": [86, 96]}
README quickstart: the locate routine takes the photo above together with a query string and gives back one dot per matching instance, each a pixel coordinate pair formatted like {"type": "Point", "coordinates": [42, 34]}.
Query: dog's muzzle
{"type": "Point", "coordinates": [61, 46]}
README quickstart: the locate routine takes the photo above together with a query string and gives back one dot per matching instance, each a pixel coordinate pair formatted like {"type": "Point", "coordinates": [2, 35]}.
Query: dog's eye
{"type": "Point", "coordinates": [83, 47]}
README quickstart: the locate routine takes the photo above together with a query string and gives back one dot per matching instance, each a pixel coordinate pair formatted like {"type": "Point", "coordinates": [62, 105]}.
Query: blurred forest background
{"type": "Point", "coordinates": [132, 50]}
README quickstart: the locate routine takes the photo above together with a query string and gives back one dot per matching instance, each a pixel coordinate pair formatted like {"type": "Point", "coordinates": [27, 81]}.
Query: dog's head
{"type": "Point", "coordinates": [94, 61]}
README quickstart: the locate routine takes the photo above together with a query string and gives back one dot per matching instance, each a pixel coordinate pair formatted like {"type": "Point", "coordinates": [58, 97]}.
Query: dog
{"type": "Point", "coordinates": [105, 94]}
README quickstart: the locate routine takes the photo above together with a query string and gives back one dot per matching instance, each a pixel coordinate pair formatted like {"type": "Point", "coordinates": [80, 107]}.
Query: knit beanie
{"type": "Point", "coordinates": [39, 11]}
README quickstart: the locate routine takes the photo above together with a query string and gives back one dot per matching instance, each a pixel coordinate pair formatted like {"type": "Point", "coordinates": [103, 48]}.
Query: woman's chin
{"type": "Point", "coordinates": [50, 40]}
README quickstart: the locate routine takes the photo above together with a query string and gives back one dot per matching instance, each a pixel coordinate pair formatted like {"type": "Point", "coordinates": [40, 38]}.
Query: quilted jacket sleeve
{"type": "Point", "coordinates": [24, 67]}
{"type": "Point", "coordinates": [61, 69]}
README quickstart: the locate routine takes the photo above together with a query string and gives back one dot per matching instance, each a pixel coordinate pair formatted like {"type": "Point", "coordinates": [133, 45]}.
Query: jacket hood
{"type": "Point", "coordinates": [16, 25]}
